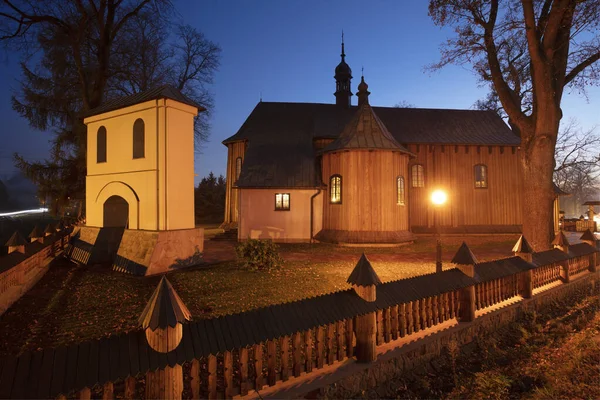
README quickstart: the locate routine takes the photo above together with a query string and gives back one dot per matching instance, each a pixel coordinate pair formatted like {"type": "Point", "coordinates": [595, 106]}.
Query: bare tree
{"type": "Point", "coordinates": [89, 51]}
{"type": "Point", "coordinates": [528, 51]}
{"type": "Point", "coordinates": [404, 104]}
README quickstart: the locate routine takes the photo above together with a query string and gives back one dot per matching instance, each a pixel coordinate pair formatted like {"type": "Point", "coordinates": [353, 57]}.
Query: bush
{"type": "Point", "coordinates": [491, 385]}
{"type": "Point", "coordinates": [259, 254]}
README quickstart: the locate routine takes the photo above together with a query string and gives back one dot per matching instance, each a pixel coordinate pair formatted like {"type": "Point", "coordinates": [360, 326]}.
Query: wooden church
{"type": "Point", "coordinates": [341, 173]}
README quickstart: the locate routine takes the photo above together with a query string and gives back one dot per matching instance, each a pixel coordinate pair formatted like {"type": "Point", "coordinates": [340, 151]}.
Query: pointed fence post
{"type": "Point", "coordinates": [36, 235]}
{"type": "Point", "coordinates": [16, 243]}
{"type": "Point", "coordinates": [364, 281]}
{"type": "Point", "coordinates": [561, 243]}
{"type": "Point", "coordinates": [524, 250]}
{"type": "Point", "coordinates": [465, 261]}
{"type": "Point", "coordinates": [589, 238]}
{"type": "Point", "coordinates": [162, 320]}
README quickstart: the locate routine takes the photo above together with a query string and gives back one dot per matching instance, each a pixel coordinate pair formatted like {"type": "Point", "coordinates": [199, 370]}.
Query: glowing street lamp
{"type": "Point", "coordinates": [438, 198]}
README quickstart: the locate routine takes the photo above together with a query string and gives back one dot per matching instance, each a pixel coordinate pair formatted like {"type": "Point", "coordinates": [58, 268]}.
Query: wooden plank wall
{"type": "Point", "coordinates": [234, 150]}
{"type": "Point", "coordinates": [369, 199]}
{"type": "Point", "coordinates": [450, 167]}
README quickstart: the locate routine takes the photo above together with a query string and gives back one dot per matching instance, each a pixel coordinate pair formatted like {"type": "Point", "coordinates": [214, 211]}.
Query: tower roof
{"type": "Point", "coordinates": [365, 131]}
{"type": "Point", "coordinates": [588, 235]}
{"type": "Point", "coordinates": [560, 239]}
{"type": "Point", "coordinates": [36, 233]}
{"type": "Point", "coordinates": [522, 246]}
{"type": "Point", "coordinates": [464, 256]}
{"type": "Point", "coordinates": [343, 70]}
{"type": "Point", "coordinates": [16, 240]}
{"type": "Point", "coordinates": [165, 308]}
{"type": "Point", "coordinates": [363, 273]}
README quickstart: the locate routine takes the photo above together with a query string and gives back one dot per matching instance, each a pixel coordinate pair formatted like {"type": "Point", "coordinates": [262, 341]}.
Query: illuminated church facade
{"type": "Point", "coordinates": [344, 173]}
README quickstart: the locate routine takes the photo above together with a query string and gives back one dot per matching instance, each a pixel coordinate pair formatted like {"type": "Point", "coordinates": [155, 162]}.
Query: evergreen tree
{"type": "Point", "coordinates": [210, 199]}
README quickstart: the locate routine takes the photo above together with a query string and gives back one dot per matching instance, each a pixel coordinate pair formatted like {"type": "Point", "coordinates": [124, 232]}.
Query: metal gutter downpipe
{"type": "Point", "coordinates": [312, 198]}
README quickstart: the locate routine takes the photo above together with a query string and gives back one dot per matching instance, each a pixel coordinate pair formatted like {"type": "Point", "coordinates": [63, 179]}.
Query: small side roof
{"type": "Point", "coordinates": [165, 308]}
{"type": "Point", "coordinates": [588, 235]}
{"type": "Point", "coordinates": [365, 131]}
{"type": "Point", "coordinates": [363, 273]}
{"type": "Point", "coordinates": [161, 92]}
{"type": "Point", "coordinates": [36, 233]}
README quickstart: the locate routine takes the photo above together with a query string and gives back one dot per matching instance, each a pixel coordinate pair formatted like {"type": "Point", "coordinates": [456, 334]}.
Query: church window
{"type": "Point", "coordinates": [417, 176]}
{"type": "Point", "coordinates": [400, 190]}
{"type": "Point", "coordinates": [238, 167]}
{"type": "Point", "coordinates": [139, 138]}
{"type": "Point", "coordinates": [282, 201]}
{"type": "Point", "coordinates": [335, 189]}
{"type": "Point", "coordinates": [481, 180]}
{"type": "Point", "coordinates": [101, 145]}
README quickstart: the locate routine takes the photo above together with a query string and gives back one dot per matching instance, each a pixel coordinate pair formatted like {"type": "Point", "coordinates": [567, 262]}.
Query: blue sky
{"type": "Point", "coordinates": [288, 50]}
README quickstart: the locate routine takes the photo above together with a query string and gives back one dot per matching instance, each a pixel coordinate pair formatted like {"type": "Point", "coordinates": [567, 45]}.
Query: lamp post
{"type": "Point", "coordinates": [438, 198]}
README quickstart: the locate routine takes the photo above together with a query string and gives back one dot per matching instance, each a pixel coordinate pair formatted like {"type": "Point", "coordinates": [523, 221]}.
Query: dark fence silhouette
{"type": "Point", "coordinates": [234, 354]}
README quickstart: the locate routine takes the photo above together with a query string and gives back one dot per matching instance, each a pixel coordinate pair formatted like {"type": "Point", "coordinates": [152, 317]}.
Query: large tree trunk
{"type": "Point", "coordinates": [537, 161]}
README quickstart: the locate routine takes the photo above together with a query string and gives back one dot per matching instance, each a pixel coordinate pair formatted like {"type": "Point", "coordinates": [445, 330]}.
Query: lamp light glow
{"type": "Point", "coordinates": [438, 197]}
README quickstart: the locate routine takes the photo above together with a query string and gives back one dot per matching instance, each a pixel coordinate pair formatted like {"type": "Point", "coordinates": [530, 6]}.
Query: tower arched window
{"type": "Point", "coordinates": [238, 167]}
{"type": "Point", "coordinates": [139, 139]}
{"type": "Point", "coordinates": [481, 176]}
{"type": "Point", "coordinates": [101, 145]}
{"type": "Point", "coordinates": [400, 190]}
{"type": "Point", "coordinates": [417, 176]}
{"type": "Point", "coordinates": [335, 189]}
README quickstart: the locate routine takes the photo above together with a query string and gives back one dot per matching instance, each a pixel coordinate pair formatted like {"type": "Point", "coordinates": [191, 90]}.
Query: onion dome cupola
{"type": "Point", "coordinates": [343, 77]}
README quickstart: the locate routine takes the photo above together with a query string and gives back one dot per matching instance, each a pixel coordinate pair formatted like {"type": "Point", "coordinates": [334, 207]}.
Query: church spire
{"type": "Point", "coordinates": [343, 76]}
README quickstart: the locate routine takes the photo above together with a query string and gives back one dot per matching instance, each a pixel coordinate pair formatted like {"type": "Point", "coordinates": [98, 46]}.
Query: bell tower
{"type": "Point", "coordinates": [343, 76]}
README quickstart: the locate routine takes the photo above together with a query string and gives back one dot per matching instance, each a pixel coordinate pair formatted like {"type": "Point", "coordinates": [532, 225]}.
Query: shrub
{"type": "Point", "coordinates": [259, 254]}
{"type": "Point", "coordinates": [491, 385]}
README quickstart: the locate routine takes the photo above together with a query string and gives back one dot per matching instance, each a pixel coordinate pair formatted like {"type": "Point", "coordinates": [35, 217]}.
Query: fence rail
{"type": "Point", "coordinates": [234, 354]}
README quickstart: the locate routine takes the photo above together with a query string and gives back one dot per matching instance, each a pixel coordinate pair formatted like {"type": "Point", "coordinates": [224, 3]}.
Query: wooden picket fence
{"type": "Point", "coordinates": [235, 354]}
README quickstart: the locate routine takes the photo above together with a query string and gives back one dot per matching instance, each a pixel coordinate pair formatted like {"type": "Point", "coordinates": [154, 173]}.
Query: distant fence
{"type": "Point", "coordinates": [27, 261]}
{"type": "Point", "coordinates": [234, 354]}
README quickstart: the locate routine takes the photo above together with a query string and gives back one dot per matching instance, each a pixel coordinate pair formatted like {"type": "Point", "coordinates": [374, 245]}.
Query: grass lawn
{"type": "Point", "coordinates": [73, 304]}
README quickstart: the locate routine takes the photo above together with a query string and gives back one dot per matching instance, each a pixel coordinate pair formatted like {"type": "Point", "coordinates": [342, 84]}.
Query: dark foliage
{"type": "Point", "coordinates": [209, 199]}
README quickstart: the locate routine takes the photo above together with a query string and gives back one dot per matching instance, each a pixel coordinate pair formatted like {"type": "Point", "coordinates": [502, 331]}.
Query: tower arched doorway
{"type": "Point", "coordinates": [116, 212]}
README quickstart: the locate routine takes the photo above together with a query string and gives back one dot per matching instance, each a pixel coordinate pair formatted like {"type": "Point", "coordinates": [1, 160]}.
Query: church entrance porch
{"type": "Point", "coordinates": [116, 212]}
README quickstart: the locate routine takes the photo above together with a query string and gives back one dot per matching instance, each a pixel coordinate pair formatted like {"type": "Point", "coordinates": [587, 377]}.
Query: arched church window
{"type": "Point", "coordinates": [101, 145]}
{"type": "Point", "coordinates": [417, 176]}
{"type": "Point", "coordinates": [139, 139]}
{"type": "Point", "coordinates": [481, 179]}
{"type": "Point", "coordinates": [400, 190]}
{"type": "Point", "coordinates": [335, 189]}
{"type": "Point", "coordinates": [238, 167]}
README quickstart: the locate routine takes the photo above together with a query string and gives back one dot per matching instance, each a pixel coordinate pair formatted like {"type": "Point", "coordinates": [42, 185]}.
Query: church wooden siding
{"type": "Point", "coordinates": [234, 150]}
{"type": "Point", "coordinates": [369, 197]}
{"type": "Point", "coordinates": [451, 167]}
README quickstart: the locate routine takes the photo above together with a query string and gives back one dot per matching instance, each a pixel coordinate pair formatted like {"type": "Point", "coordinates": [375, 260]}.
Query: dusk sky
{"type": "Point", "coordinates": [288, 51]}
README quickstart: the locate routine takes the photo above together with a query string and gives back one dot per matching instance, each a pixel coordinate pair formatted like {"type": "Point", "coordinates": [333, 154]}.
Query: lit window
{"type": "Point", "coordinates": [400, 190]}
{"type": "Point", "coordinates": [138, 138]}
{"type": "Point", "coordinates": [238, 167]}
{"type": "Point", "coordinates": [335, 189]}
{"type": "Point", "coordinates": [480, 171]}
{"type": "Point", "coordinates": [417, 176]}
{"type": "Point", "coordinates": [101, 145]}
{"type": "Point", "coordinates": [282, 202]}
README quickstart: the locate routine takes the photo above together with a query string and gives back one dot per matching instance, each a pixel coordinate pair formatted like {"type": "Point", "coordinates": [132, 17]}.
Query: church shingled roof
{"type": "Point", "coordinates": [165, 308]}
{"type": "Point", "coordinates": [16, 240]}
{"type": "Point", "coordinates": [464, 256]}
{"type": "Point", "coordinates": [363, 273]}
{"type": "Point", "coordinates": [560, 239]}
{"type": "Point", "coordinates": [280, 137]}
{"type": "Point", "coordinates": [522, 246]}
{"type": "Point", "coordinates": [160, 92]}
{"type": "Point", "coordinates": [365, 131]}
